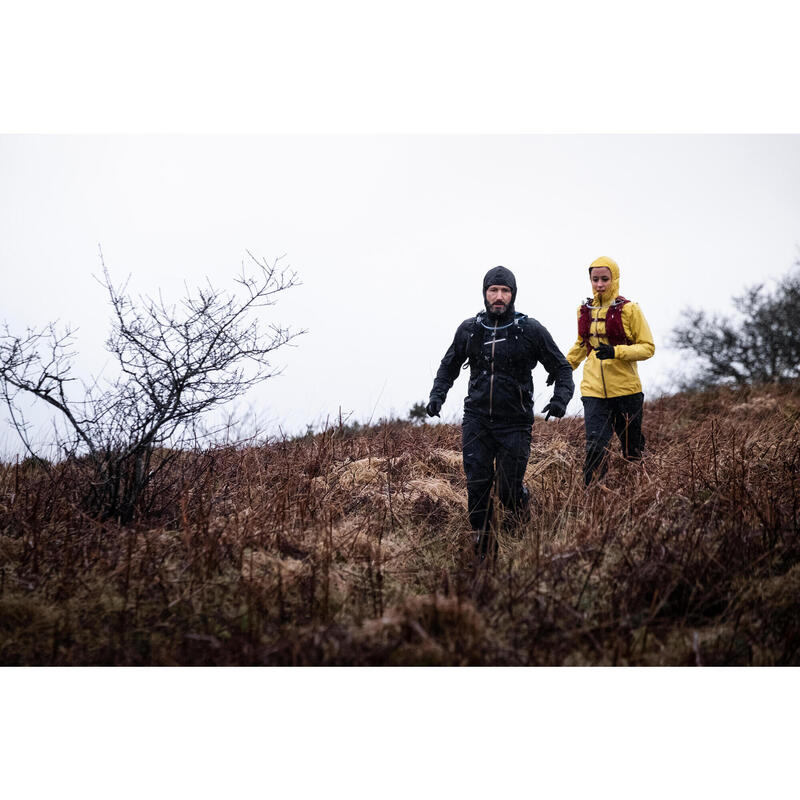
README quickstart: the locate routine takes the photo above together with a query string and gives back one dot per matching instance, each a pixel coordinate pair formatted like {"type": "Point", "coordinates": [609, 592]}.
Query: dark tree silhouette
{"type": "Point", "coordinates": [760, 343]}
{"type": "Point", "coordinates": [417, 413]}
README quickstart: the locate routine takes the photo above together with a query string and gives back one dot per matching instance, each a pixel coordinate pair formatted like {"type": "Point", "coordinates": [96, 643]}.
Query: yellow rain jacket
{"type": "Point", "coordinates": [612, 377]}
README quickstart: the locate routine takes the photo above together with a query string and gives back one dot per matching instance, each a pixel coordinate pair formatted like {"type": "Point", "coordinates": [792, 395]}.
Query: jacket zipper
{"type": "Point", "coordinates": [491, 377]}
{"type": "Point", "coordinates": [602, 373]}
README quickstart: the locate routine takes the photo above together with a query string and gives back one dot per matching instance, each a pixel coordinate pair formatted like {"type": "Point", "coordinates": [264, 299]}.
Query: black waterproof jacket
{"type": "Point", "coordinates": [501, 352]}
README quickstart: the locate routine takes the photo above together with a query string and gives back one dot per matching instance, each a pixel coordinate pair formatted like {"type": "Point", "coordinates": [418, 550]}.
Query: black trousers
{"type": "Point", "coordinates": [501, 451]}
{"type": "Point", "coordinates": [604, 416]}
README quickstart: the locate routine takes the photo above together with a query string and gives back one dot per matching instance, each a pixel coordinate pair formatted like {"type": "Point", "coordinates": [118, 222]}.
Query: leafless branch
{"type": "Point", "coordinates": [176, 362]}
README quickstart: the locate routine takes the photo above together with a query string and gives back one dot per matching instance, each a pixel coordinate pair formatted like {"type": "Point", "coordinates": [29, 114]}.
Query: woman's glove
{"type": "Point", "coordinates": [604, 351]}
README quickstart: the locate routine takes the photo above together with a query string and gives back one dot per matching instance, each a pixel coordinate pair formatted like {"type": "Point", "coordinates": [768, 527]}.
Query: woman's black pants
{"type": "Point", "coordinates": [604, 416]}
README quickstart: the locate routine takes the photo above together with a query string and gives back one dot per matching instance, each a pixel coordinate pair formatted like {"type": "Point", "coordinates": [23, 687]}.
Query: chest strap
{"type": "Point", "coordinates": [615, 331]}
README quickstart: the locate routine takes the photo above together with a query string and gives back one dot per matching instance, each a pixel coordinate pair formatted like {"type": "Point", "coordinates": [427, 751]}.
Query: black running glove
{"type": "Point", "coordinates": [554, 409]}
{"type": "Point", "coordinates": [604, 351]}
{"type": "Point", "coordinates": [433, 408]}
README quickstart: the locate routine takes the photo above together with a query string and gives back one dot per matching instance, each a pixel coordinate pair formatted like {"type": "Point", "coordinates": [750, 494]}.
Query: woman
{"type": "Point", "coordinates": [612, 336]}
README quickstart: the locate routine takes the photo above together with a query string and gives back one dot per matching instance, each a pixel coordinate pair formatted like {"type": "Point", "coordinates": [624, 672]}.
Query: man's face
{"type": "Point", "coordinates": [498, 298]}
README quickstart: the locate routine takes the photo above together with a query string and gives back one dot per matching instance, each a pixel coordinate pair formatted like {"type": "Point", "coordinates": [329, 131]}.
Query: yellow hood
{"type": "Point", "coordinates": [613, 293]}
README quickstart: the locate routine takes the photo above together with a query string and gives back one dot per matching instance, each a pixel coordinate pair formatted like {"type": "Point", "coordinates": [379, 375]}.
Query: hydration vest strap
{"type": "Point", "coordinates": [615, 331]}
{"type": "Point", "coordinates": [475, 344]}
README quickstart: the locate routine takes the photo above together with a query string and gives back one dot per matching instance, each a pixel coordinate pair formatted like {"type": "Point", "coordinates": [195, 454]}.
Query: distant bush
{"type": "Point", "coordinates": [417, 413]}
{"type": "Point", "coordinates": [759, 344]}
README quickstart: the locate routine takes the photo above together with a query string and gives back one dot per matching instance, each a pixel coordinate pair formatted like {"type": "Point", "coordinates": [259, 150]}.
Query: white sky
{"type": "Point", "coordinates": [391, 236]}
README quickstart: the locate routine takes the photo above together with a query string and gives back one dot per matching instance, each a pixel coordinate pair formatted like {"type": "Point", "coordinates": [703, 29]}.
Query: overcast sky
{"type": "Point", "coordinates": [391, 236]}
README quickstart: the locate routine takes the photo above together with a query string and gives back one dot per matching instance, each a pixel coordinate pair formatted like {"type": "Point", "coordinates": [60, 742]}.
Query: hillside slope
{"type": "Point", "coordinates": [352, 548]}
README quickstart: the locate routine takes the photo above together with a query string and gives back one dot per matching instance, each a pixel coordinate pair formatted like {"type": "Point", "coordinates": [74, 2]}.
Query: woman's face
{"type": "Point", "coordinates": [601, 279]}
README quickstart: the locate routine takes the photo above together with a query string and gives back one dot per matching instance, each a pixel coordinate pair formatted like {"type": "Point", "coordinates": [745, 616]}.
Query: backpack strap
{"type": "Point", "coordinates": [615, 332]}
{"type": "Point", "coordinates": [585, 325]}
{"type": "Point", "coordinates": [475, 343]}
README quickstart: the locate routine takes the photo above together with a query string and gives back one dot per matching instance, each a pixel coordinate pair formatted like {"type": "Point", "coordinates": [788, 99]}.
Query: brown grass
{"type": "Point", "coordinates": [352, 548]}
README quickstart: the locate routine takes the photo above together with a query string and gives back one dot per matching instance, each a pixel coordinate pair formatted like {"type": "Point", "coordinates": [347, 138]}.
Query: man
{"type": "Point", "coordinates": [502, 347]}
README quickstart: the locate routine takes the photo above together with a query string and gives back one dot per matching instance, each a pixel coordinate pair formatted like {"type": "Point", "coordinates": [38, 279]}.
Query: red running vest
{"type": "Point", "coordinates": [615, 333]}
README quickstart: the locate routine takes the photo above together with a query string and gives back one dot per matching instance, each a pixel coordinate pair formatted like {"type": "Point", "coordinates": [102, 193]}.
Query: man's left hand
{"type": "Point", "coordinates": [433, 408]}
{"type": "Point", "coordinates": [604, 351]}
{"type": "Point", "coordinates": [554, 409]}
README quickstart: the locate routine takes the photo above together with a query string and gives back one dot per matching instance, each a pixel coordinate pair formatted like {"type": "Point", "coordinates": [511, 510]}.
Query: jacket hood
{"type": "Point", "coordinates": [613, 293]}
{"type": "Point", "coordinates": [500, 276]}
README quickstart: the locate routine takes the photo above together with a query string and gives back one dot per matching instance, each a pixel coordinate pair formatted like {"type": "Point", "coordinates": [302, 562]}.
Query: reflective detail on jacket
{"type": "Point", "coordinates": [612, 377]}
{"type": "Point", "coordinates": [500, 363]}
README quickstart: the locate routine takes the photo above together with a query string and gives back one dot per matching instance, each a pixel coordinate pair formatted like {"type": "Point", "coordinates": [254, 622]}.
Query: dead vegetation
{"type": "Point", "coordinates": [349, 548]}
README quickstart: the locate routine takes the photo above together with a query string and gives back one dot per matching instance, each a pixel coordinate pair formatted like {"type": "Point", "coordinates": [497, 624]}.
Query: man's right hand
{"type": "Point", "coordinates": [433, 408]}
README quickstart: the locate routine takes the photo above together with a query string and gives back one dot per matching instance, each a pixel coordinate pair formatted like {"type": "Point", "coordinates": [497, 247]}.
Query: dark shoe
{"type": "Point", "coordinates": [482, 545]}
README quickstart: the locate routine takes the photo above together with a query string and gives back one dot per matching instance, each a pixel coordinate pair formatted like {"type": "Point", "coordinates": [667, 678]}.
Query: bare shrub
{"type": "Point", "coordinates": [176, 363]}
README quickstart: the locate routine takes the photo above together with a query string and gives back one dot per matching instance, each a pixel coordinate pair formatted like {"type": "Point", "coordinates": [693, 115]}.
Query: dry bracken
{"type": "Point", "coordinates": [351, 547]}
